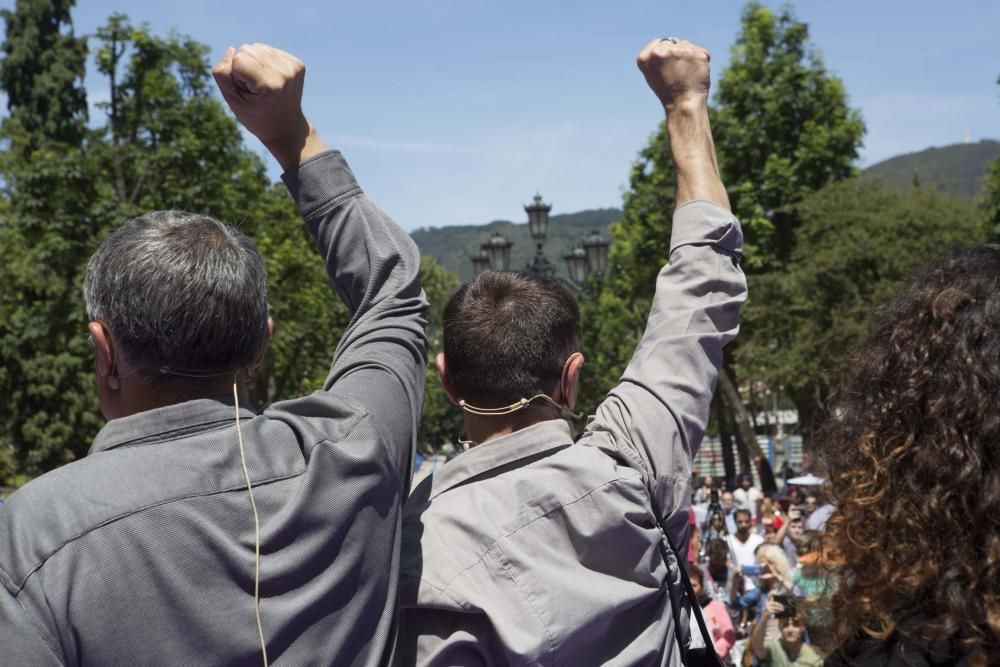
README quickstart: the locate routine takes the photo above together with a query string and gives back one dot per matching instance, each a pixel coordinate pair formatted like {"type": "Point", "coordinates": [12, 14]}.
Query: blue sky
{"type": "Point", "coordinates": [458, 112]}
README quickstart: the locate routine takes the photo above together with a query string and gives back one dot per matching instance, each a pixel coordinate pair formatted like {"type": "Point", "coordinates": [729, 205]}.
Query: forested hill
{"type": "Point", "coordinates": [452, 246]}
{"type": "Point", "coordinates": [956, 170]}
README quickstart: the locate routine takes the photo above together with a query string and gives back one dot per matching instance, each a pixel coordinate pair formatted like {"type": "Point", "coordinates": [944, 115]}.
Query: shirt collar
{"type": "Point", "coordinates": [169, 422]}
{"type": "Point", "coordinates": [528, 443]}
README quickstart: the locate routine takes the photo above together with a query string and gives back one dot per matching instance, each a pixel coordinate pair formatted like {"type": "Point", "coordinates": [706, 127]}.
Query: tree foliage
{"type": "Point", "coordinates": [164, 142]}
{"type": "Point", "coordinates": [440, 422]}
{"type": "Point", "coordinates": [991, 199]}
{"type": "Point", "coordinates": [782, 129]}
{"type": "Point", "coordinates": [857, 243]}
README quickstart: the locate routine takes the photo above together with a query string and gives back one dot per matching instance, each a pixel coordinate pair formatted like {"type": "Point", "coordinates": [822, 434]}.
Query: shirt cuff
{"type": "Point", "coordinates": [701, 222]}
{"type": "Point", "coordinates": [320, 181]}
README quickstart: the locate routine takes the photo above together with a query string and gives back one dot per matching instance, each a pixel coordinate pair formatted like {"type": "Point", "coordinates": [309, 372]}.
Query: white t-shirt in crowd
{"type": "Point", "coordinates": [748, 499]}
{"type": "Point", "coordinates": [743, 553]}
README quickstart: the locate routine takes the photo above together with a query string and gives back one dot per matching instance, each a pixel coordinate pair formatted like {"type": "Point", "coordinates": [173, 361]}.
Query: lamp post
{"type": "Point", "coordinates": [498, 250]}
{"type": "Point", "coordinates": [480, 262]}
{"type": "Point", "coordinates": [589, 258]}
{"type": "Point", "coordinates": [538, 226]}
{"type": "Point", "coordinates": [596, 247]}
{"type": "Point", "coordinates": [576, 264]}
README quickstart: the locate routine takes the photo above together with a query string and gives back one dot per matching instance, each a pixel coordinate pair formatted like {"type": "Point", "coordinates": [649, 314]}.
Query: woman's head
{"type": "Point", "coordinates": [913, 452]}
{"type": "Point", "coordinates": [777, 569]}
{"type": "Point", "coordinates": [717, 521]}
{"type": "Point", "coordinates": [696, 581]}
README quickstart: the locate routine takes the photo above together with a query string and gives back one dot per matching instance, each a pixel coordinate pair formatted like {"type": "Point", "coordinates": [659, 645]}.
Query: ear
{"type": "Point", "coordinates": [569, 383]}
{"type": "Point", "coordinates": [449, 388]}
{"type": "Point", "coordinates": [104, 348]}
{"type": "Point", "coordinates": [267, 339]}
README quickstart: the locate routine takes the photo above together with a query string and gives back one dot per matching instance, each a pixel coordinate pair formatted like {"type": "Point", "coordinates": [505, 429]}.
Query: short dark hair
{"type": "Point", "coordinates": [180, 291]}
{"type": "Point", "coordinates": [507, 336]}
{"type": "Point", "coordinates": [717, 548]}
{"type": "Point", "coordinates": [742, 510]}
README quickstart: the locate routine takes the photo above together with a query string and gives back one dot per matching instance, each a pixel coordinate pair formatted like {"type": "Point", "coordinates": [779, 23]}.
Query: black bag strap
{"type": "Point", "coordinates": [665, 544]}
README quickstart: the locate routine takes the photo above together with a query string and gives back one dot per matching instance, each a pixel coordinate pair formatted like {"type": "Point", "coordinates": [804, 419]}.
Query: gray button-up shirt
{"type": "Point", "coordinates": [534, 550]}
{"type": "Point", "coordinates": [143, 551]}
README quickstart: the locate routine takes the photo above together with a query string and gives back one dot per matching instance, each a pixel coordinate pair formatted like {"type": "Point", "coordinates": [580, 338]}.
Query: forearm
{"type": "Point", "coordinates": [757, 638]}
{"type": "Point", "coordinates": [694, 154]}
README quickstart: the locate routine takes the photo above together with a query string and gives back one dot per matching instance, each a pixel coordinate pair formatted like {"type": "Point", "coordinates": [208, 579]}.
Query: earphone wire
{"type": "Point", "coordinates": [256, 527]}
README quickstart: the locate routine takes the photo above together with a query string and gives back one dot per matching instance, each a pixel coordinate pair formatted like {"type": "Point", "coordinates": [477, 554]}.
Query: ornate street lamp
{"type": "Point", "coordinates": [576, 263]}
{"type": "Point", "coordinates": [498, 250]}
{"type": "Point", "coordinates": [596, 248]}
{"type": "Point", "coordinates": [480, 262]}
{"type": "Point", "coordinates": [538, 219]}
{"type": "Point", "coordinates": [538, 226]}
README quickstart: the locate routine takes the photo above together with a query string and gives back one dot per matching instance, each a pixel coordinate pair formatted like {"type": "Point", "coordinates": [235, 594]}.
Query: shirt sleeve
{"type": "Point", "coordinates": [656, 416]}
{"type": "Point", "coordinates": [374, 266]}
{"type": "Point", "coordinates": [21, 641]}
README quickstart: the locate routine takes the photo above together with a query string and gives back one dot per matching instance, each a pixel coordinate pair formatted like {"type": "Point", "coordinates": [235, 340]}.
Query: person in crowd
{"type": "Point", "coordinates": [198, 530]}
{"type": "Point", "coordinates": [820, 511]}
{"type": "Point", "coordinates": [743, 545]}
{"type": "Point", "coordinates": [787, 472]}
{"type": "Point", "coordinates": [814, 581]}
{"type": "Point", "coordinates": [530, 547]}
{"type": "Point", "coordinates": [913, 459]}
{"type": "Point", "coordinates": [796, 498]}
{"type": "Point", "coordinates": [694, 550]}
{"type": "Point", "coordinates": [704, 492]}
{"type": "Point", "coordinates": [729, 507]}
{"type": "Point", "coordinates": [747, 496]}
{"type": "Point", "coordinates": [715, 528]}
{"type": "Point", "coordinates": [769, 513]}
{"type": "Point", "coordinates": [716, 615]}
{"type": "Point", "coordinates": [721, 580]}
{"type": "Point", "coordinates": [789, 649]}
{"type": "Point", "coordinates": [787, 536]}
{"type": "Point", "coordinates": [809, 505]}
{"type": "Point", "coordinates": [776, 578]}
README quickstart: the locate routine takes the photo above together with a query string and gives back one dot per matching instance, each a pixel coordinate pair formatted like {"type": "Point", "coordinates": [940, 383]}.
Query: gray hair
{"type": "Point", "coordinates": [182, 293]}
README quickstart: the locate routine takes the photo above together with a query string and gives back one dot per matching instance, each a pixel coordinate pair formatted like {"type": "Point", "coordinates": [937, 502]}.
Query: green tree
{"type": "Point", "coordinates": [440, 421]}
{"type": "Point", "coordinates": [49, 201]}
{"type": "Point", "coordinates": [991, 199]}
{"type": "Point", "coordinates": [166, 143]}
{"type": "Point", "coordinates": [782, 129]}
{"type": "Point", "coordinates": [857, 243]}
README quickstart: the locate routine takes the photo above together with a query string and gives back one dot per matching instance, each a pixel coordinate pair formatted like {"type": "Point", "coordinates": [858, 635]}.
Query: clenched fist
{"type": "Point", "coordinates": [676, 71]}
{"type": "Point", "coordinates": [263, 87]}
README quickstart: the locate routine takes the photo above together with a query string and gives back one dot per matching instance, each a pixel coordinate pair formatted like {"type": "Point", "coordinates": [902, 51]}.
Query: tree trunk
{"type": "Point", "coordinates": [746, 439]}
{"type": "Point", "coordinates": [725, 439]}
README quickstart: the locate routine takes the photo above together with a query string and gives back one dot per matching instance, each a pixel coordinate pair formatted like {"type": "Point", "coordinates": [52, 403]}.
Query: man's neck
{"type": "Point", "coordinates": [743, 539]}
{"type": "Point", "coordinates": [142, 398]}
{"type": "Point", "coordinates": [480, 429]}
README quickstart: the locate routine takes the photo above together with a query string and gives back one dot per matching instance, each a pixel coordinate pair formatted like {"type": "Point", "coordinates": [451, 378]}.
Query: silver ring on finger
{"type": "Point", "coordinates": [672, 40]}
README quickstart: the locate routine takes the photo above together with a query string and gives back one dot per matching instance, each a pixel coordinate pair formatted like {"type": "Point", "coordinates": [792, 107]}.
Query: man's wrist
{"type": "Point", "coordinates": [292, 150]}
{"type": "Point", "coordinates": [687, 105]}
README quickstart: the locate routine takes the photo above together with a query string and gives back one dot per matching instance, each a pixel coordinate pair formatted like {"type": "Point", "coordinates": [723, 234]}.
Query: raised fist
{"type": "Point", "coordinates": [677, 71]}
{"type": "Point", "coordinates": [263, 87]}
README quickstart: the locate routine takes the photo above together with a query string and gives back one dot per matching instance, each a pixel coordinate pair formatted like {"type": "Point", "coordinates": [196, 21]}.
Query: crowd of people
{"type": "Point", "coordinates": [756, 563]}
{"type": "Point", "coordinates": [199, 531]}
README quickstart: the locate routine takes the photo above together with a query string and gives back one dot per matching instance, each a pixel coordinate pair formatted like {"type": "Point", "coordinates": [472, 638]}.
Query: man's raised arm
{"type": "Point", "coordinates": [655, 418]}
{"type": "Point", "coordinates": [372, 263]}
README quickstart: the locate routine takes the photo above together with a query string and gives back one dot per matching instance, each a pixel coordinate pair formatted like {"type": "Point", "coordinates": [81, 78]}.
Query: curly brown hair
{"type": "Point", "coordinates": [913, 452]}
